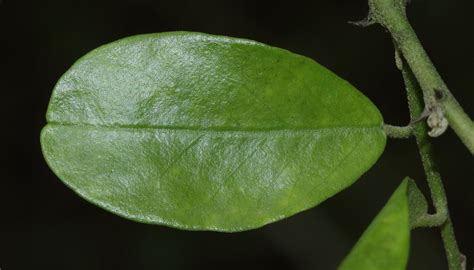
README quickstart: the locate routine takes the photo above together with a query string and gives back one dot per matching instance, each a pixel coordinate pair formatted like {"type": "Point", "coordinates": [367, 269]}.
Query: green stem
{"type": "Point", "coordinates": [391, 14]}
{"type": "Point", "coordinates": [398, 132]}
{"type": "Point", "coordinates": [441, 218]}
{"type": "Point", "coordinates": [430, 220]}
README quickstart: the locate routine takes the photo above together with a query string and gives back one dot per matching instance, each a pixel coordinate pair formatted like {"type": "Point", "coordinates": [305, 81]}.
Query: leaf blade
{"type": "Point", "coordinates": [192, 148]}
{"type": "Point", "coordinates": [385, 242]}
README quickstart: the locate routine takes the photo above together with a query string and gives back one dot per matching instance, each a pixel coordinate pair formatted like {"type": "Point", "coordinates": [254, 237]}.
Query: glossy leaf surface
{"type": "Point", "coordinates": [206, 132]}
{"type": "Point", "coordinates": [386, 242]}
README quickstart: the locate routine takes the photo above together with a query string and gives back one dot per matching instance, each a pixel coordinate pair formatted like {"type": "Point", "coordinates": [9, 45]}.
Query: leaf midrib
{"type": "Point", "coordinates": [215, 129]}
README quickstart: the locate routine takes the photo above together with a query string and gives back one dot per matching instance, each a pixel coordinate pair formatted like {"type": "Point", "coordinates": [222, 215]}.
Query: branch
{"type": "Point", "coordinates": [440, 104]}
{"type": "Point", "coordinates": [441, 217]}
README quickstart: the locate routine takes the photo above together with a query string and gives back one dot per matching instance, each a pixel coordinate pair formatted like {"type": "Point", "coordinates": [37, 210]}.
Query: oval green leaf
{"type": "Point", "coordinates": [205, 132]}
{"type": "Point", "coordinates": [386, 242]}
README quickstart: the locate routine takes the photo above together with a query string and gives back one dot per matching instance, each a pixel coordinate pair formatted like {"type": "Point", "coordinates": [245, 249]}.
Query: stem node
{"type": "Point", "coordinates": [391, 14]}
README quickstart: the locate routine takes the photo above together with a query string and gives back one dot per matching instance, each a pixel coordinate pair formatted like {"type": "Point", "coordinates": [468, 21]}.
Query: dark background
{"type": "Point", "coordinates": [44, 225]}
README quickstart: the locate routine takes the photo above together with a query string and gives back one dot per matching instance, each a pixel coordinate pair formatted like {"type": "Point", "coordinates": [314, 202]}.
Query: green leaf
{"type": "Point", "coordinates": [206, 132]}
{"type": "Point", "coordinates": [418, 207]}
{"type": "Point", "coordinates": [386, 242]}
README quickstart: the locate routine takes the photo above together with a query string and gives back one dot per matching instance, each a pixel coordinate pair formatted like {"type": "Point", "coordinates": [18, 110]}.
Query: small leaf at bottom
{"type": "Point", "coordinates": [385, 243]}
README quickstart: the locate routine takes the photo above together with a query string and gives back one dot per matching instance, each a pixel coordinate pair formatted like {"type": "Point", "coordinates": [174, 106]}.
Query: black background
{"type": "Point", "coordinates": [44, 225]}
